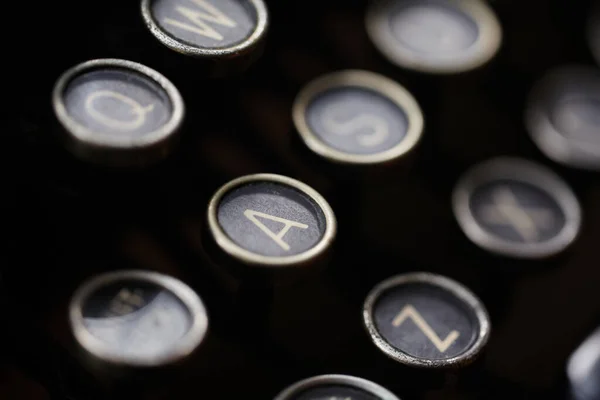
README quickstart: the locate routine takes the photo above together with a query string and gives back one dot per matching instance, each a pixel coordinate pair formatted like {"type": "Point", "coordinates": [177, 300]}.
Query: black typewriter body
{"type": "Point", "coordinates": [67, 220]}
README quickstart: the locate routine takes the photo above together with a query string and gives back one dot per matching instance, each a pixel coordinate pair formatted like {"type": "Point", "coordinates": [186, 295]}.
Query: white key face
{"type": "Point", "coordinates": [433, 29]}
{"type": "Point", "coordinates": [435, 36]}
{"type": "Point", "coordinates": [578, 118]}
{"type": "Point", "coordinates": [137, 323]}
{"type": "Point", "coordinates": [116, 102]}
{"type": "Point", "coordinates": [208, 24]}
{"type": "Point", "coordinates": [356, 120]}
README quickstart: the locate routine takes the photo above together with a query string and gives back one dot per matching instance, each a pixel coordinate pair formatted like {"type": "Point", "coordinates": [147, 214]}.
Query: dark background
{"type": "Point", "coordinates": [65, 221]}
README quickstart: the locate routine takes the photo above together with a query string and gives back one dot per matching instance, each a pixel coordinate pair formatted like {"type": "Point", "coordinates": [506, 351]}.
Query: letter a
{"type": "Point", "coordinates": [198, 18]}
{"type": "Point", "coordinates": [277, 238]}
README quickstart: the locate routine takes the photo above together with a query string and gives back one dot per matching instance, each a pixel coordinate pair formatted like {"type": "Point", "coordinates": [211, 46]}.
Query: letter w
{"type": "Point", "coordinates": [410, 312]}
{"type": "Point", "coordinates": [210, 13]}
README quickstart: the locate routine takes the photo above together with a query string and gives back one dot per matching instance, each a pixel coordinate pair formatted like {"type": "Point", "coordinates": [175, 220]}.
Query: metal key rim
{"type": "Point", "coordinates": [538, 119]}
{"type": "Point", "coordinates": [168, 40]}
{"type": "Point", "coordinates": [525, 172]}
{"type": "Point", "coordinates": [455, 289]}
{"type": "Point", "coordinates": [344, 380]}
{"type": "Point", "coordinates": [380, 84]}
{"type": "Point", "coordinates": [97, 348]}
{"type": "Point", "coordinates": [480, 53]}
{"type": "Point", "coordinates": [84, 137]}
{"type": "Point", "coordinates": [240, 254]}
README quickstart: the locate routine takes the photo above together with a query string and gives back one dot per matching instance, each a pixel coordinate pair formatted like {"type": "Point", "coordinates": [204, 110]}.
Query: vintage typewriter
{"type": "Point", "coordinates": [301, 200]}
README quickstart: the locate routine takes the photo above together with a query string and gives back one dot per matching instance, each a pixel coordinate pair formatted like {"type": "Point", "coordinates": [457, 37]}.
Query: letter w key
{"type": "Point", "coordinates": [410, 312]}
{"type": "Point", "coordinates": [199, 17]}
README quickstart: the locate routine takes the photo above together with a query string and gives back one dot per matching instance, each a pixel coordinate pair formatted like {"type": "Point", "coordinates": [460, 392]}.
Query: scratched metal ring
{"type": "Point", "coordinates": [450, 287]}
{"type": "Point", "coordinates": [251, 42]}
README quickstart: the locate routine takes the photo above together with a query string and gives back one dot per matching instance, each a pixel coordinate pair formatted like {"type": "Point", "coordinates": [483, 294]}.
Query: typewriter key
{"type": "Point", "coordinates": [329, 387]}
{"type": "Point", "coordinates": [272, 236]}
{"type": "Point", "coordinates": [117, 113]}
{"type": "Point", "coordinates": [518, 209]}
{"type": "Point", "coordinates": [426, 321]}
{"type": "Point", "coordinates": [269, 222]}
{"type": "Point", "coordinates": [563, 116]}
{"type": "Point", "coordinates": [222, 32]}
{"type": "Point", "coordinates": [136, 320]}
{"type": "Point", "coordinates": [435, 36]}
{"type": "Point", "coordinates": [583, 369]}
{"type": "Point", "coordinates": [358, 118]}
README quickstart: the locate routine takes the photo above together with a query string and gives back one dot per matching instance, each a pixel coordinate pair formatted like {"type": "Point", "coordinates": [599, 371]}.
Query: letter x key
{"type": "Point", "coordinates": [506, 210]}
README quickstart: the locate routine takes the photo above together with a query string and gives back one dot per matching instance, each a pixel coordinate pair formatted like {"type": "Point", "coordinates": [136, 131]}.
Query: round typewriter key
{"type": "Point", "coordinates": [267, 220]}
{"type": "Point", "coordinates": [516, 208]}
{"type": "Point", "coordinates": [358, 117]}
{"type": "Point", "coordinates": [583, 369]}
{"type": "Point", "coordinates": [270, 235]}
{"type": "Point", "coordinates": [137, 319]}
{"type": "Point", "coordinates": [117, 112]}
{"type": "Point", "coordinates": [218, 31]}
{"type": "Point", "coordinates": [329, 387]}
{"type": "Point", "coordinates": [563, 116]}
{"type": "Point", "coordinates": [426, 321]}
{"type": "Point", "coordinates": [435, 36]}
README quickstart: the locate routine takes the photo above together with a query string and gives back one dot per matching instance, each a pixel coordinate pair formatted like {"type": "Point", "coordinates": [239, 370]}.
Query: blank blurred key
{"type": "Point", "coordinates": [563, 116]}
{"type": "Point", "coordinates": [435, 36]}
